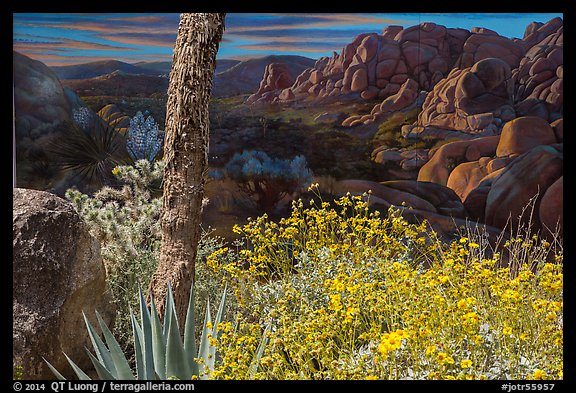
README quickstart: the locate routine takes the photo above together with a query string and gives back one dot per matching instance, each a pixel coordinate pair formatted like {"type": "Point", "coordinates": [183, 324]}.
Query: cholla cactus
{"type": "Point", "coordinates": [144, 138]}
{"type": "Point", "coordinates": [126, 223]}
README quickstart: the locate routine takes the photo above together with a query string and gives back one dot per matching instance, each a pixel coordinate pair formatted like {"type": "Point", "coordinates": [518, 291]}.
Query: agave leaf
{"type": "Point", "coordinates": [189, 332]}
{"type": "Point", "coordinates": [148, 356]}
{"type": "Point", "coordinates": [158, 342]}
{"type": "Point", "coordinates": [168, 309]}
{"type": "Point", "coordinates": [259, 352]}
{"type": "Point", "coordinates": [215, 331]}
{"type": "Point", "coordinates": [54, 371]}
{"type": "Point", "coordinates": [77, 370]}
{"type": "Point", "coordinates": [176, 364]}
{"type": "Point", "coordinates": [100, 348]}
{"type": "Point", "coordinates": [204, 351]}
{"type": "Point", "coordinates": [103, 373]}
{"type": "Point", "coordinates": [122, 366]}
{"type": "Point", "coordinates": [137, 331]}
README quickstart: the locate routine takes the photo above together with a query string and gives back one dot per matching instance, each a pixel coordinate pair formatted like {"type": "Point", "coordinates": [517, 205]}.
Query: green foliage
{"type": "Point", "coordinates": [126, 223]}
{"type": "Point", "coordinates": [160, 352]}
{"type": "Point", "coordinates": [16, 371]}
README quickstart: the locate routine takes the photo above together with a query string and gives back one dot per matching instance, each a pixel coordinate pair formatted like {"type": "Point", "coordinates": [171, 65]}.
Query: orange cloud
{"type": "Point", "coordinates": [64, 44]}
{"type": "Point", "coordinates": [140, 19]}
{"type": "Point", "coordinates": [107, 27]}
{"type": "Point", "coordinates": [332, 20]}
{"type": "Point", "coordinates": [286, 48]}
{"type": "Point", "coordinates": [284, 38]}
{"type": "Point", "coordinates": [142, 41]}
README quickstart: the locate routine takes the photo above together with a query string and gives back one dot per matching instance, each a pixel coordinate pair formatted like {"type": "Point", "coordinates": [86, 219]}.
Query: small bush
{"type": "Point", "coordinates": [348, 294]}
{"type": "Point", "coordinates": [267, 180]}
{"type": "Point", "coordinates": [16, 372]}
{"type": "Point", "coordinates": [126, 222]}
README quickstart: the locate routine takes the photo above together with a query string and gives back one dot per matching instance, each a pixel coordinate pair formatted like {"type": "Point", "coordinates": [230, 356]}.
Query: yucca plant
{"type": "Point", "coordinates": [89, 154]}
{"type": "Point", "coordinates": [159, 350]}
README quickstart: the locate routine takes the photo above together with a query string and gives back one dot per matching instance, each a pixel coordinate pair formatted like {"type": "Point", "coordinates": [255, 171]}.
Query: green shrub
{"type": "Point", "coordinates": [16, 371]}
{"type": "Point", "coordinates": [126, 223]}
{"type": "Point", "coordinates": [268, 180]}
{"type": "Point", "coordinates": [87, 151]}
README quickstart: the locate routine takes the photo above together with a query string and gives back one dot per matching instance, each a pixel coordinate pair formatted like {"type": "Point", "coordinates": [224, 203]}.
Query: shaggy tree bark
{"type": "Point", "coordinates": [186, 155]}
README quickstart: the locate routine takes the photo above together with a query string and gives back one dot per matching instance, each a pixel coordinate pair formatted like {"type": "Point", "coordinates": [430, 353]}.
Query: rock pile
{"type": "Point", "coordinates": [277, 77]}
{"type": "Point", "coordinates": [375, 66]}
{"type": "Point", "coordinates": [475, 100]}
{"type": "Point", "coordinates": [539, 79]}
{"type": "Point", "coordinates": [503, 173]}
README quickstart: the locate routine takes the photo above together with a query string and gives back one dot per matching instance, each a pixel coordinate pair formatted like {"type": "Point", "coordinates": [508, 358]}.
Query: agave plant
{"type": "Point", "coordinates": [159, 350]}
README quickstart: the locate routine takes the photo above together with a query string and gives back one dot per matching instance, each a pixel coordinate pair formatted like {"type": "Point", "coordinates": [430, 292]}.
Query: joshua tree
{"type": "Point", "coordinates": [185, 154]}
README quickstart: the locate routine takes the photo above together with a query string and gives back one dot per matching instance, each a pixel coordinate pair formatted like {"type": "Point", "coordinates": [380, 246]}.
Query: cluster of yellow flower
{"type": "Point", "coordinates": [348, 294]}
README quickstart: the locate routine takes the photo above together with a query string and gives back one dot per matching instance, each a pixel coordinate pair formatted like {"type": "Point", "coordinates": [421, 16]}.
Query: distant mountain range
{"type": "Point", "coordinates": [231, 77]}
{"type": "Point", "coordinates": [99, 68]}
{"type": "Point", "coordinates": [245, 76]}
{"type": "Point", "coordinates": [119, 83]}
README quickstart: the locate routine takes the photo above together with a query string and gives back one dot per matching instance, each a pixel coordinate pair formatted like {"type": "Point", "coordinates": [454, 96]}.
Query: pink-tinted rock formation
{"type": "Point", "coordinates": [523, 134]}
{"type": "Point", "coordinates": [449, 156]}
{"type": "Point", "coordinates": [475, 100]}
{"type": "Point", "coordinates": [484, 43]}
{"type": "Point", "coordinates": [400, 163]}
{"type": "Point", "coordinates": [539, 79]}
{"type": "Point", "coordinates": [552, 206]}
{"type": "Point", "coordinates": [277, 77]}
{"type": "Point", "coordinates": [404, 99]}
{"type": "Point", "coordinates": [375, 66]}
{"type": "Point", "coordinates": [528, 176]}
{"type": "Point", "coordinates": [496, 177]}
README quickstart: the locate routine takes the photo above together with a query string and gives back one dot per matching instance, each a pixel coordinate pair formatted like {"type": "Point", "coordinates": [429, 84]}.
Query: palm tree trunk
{"type": "Point", "coordinates": [186, 155]}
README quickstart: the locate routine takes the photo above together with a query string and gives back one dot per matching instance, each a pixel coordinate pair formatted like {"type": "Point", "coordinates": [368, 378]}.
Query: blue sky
{"type": "Point", "coordinates": [61, 39]}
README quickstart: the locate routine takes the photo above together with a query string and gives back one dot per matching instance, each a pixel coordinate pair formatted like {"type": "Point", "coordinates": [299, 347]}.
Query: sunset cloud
{"type": "Point", "coordinates": [25, 41]}
{"type": "Point", "coordinates": [316, 21]}
{"type": "Point", "coordinates": [146, 39]}
{"type": "Point", "coordinates": [53, 37]}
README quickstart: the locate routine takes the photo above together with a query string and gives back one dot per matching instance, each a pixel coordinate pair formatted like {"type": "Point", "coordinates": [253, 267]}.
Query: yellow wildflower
{"type": "Point", "coordinates": [466, 363]}
{"type": "Point", "coordinates": [539, 374]}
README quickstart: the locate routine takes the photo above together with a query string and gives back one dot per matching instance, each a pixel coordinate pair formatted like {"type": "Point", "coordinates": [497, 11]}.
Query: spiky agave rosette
{"type": "Point", "coordinates": [159, 350]}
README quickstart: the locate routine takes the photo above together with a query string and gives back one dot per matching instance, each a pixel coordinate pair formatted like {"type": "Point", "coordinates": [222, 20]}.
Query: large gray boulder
{"type": "Point", "coordinates": [57, 273]}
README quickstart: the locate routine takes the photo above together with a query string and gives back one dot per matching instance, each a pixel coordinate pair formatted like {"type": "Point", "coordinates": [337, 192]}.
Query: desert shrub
{"type": "Point", "coordinates": [126, 223]}
{"type": "Point", "coordinates": [267, 180]}
{"type": "Point", "coordinates": [344, 293]}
